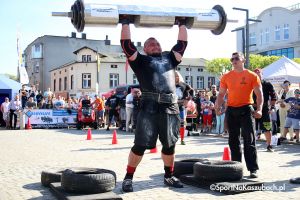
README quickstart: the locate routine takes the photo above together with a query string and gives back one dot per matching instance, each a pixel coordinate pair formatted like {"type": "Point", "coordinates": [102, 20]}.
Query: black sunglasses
{"type": "Point", "coordinates": [234, 58]}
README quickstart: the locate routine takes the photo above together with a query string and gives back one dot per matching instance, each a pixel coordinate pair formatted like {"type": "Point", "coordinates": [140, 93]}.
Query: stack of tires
{"type": "Point", "coordinates": [81, 180]}
{"type": "Point", "coordinates": [211, 171]}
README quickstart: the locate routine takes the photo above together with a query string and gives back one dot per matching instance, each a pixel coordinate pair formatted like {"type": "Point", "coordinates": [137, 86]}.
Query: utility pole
{"type": "Point", "coordinates": [247, 32]}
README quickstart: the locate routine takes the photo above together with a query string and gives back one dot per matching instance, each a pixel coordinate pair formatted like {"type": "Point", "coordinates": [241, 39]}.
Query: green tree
{"type": "Point", "coordinates": [11, 76]}
{"type": "Point", "coordinates": [218, 66]}
{"type": "Point", "coordinates": [297, 60]}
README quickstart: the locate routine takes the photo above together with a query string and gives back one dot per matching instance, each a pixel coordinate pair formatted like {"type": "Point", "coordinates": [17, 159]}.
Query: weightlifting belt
{"type": "Point", "coordinates": [159, 97]}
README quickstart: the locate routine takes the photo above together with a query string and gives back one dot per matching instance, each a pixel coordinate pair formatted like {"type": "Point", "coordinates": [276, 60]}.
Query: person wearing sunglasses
{"type": "Point", "coordinates": [265, 123]}
{"type": "Point", "coordinates": [240, 83]}
{"type": "Point", "coordinates": [285, 93]}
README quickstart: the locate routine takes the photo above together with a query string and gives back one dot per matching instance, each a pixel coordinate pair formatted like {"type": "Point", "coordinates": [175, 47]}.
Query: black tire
{"type": "Point", "coordinates": [88, 181]}
{"type": "Point", "coordinates": [218, 171]}
{"type": "Point", "coordinates": [185, 166]}
{"type": "Point", "coordinates": [79, 125]}
{"type": "Point", "coordinates": [50, 177]}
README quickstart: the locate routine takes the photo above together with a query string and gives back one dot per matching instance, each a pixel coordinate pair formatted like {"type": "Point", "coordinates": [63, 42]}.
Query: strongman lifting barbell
{"type": "Point", "coordinates": [145, 16]}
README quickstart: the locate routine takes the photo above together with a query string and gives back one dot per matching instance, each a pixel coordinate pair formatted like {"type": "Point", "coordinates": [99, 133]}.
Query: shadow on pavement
{"type": "Point", "coordinates": [45, 192]}
{"type": "Point", "coordinates": [102, 149]}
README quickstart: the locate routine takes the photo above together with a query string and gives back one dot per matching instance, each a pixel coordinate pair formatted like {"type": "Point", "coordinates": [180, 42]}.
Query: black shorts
{"type": "Point", "coordinates": [151, 125]}
{"type": "Point", "coordinates": [113, 112]}
{"type": "Point", "coordinates": [264, 123]}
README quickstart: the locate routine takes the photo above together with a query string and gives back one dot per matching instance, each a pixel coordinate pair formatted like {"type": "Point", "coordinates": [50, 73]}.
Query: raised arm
{"type": "Point", "coordinates": [180, 47]}
{"type": "Point", "coordinates": [127, 46]}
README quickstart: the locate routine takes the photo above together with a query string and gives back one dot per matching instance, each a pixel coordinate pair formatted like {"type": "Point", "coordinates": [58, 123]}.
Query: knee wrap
{"type": "Point", "coordinates": [180, 47]}
{"type": "Point", "coordinates": [128, 47]}
{"type": "Point", "coordinates": [168, 151]}
{"type": "Point", "coordinates": [138, 150]}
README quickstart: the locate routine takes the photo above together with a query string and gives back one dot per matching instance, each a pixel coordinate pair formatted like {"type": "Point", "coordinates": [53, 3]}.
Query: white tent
{"type": "Point", "coordinates": [281, 70]}
{"type": "Point", "coordinates": [9, 87]}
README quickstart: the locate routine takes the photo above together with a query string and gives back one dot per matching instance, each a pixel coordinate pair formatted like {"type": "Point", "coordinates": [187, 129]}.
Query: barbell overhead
{"type": "Point", "coordinates": [145, 16]}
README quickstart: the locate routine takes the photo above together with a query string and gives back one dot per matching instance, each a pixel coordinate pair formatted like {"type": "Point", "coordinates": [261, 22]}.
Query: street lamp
{"type": "Point", "coordinates": [247, 32]}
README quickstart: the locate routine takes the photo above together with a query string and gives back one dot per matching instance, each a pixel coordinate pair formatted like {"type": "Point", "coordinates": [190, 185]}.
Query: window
{"type": "Point", "coordinates": [261, 37]}
{"type": "Point", "coordinates": [189, 80]}
{"type": "Point", "coordinates": [36, 69]}
{"type": "Point", "coordinates": [65, 70]}
{"type": "Point", "coordinates": [113, 66]}
{"type": "Point", "coordinates": [113, 80]}
{"type": "Point", "coordinates": [71, 68]}
{"type": "Point", "coordinates": [36, 51]}
{"type": "Point", "coordinates": [135, 80]}
{"type": "Point", "coordinates": [200, 82]}
{"type": "Point", "coordinates": [200, 69]}
{"type": "Point", "coordinates": [59, 84]}
{"type": "Point", "coordinates": [72, 81]}
{"type": "Point", "coordinates": [267, 35]}
{"type": "Point", "coordinates": [54, 85]}
{"type": "Point", "coordinates": [299, 29]}
{"type": "Point", "coordinates": [286, 34]}
{"type": "Point", "coordinates": [86, 81]}
{"type": "Point", "coordinates": [188, 69]}
{"type": "Point", "coordinates": [211, 81]}
{"type": "Point", "coordinates": [84, 59]}
{"type": "Point", "coordinates": [277, 33]}
{"type": "Point", "coordinates": [178, 68]}
{"type": "Point", "coordinates": [252, 38]}
{"type": "Point", "coordinates": [65, 83]}
{"type": "Point", "coordinates": [89, 58]}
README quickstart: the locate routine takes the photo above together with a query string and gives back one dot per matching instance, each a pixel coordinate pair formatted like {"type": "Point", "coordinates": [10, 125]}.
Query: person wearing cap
{"type": "Point", "coordinates": [285, 93]}
{"type": "Point", "coordinates": [265, 123]}
{"type": "Point", "coordinates": [240, 83]}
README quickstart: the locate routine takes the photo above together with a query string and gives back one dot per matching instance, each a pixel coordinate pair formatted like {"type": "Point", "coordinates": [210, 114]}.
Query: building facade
{"type": "Point", "coordinates": [94, 73]}
{"type": "Point", "coordinates": [278, 34]}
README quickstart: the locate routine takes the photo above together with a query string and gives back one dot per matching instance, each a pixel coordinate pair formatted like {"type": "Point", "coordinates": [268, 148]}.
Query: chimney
{"type": "Point", "coordinates": [107, 41]}
{"type": "Point", "coordinates": [73, 35]}
{"type": "Point", "coordinates": [83, 35]}
{"type": "Point", "coordinates": [139, 44]}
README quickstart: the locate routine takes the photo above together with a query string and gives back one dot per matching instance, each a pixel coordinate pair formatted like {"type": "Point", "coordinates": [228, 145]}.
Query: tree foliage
{"type": "Point", "coordinates": [218, 66]}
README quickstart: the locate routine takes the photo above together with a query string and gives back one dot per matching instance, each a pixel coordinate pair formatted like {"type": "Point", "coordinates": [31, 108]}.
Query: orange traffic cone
{"type": "Point", "coordinates": [28, 126]}
{"type": "Point", "coordinates": [114, 138]}
{"type": "Point", "coordinates": [89, 134]}
{"type": "Point", "coordinates": [154, 150]}
{"type": "Point", "coordinates": [226, 154]}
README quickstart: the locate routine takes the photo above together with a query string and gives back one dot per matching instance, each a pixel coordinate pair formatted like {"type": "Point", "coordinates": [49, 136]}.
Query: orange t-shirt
{"type": "Point", "coordinates": [240, 87]}
{"type": "Point", "coordinates": [99, 103]}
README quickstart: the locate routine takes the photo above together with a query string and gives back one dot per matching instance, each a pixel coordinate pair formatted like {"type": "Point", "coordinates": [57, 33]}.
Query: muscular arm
{"type": "Point", "coordinates": [125, 35]}
{"type": "Point", "coordinates": [259, 97]}
{"type": "Point", "coordinates": [220, 98]}
{"type": "Point", "coordinates": [182, 36]}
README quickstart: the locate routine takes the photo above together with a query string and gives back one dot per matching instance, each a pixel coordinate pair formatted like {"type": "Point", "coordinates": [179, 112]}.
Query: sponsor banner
{"type": "Point", "coordinates": [46, 118]}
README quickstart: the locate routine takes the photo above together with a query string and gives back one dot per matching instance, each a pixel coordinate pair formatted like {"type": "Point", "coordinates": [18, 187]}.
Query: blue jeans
{"type": "Point", "coordinates": [220, 123]}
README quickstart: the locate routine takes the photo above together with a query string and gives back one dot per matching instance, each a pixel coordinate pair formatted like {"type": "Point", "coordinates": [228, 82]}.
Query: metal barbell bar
{"type": "Point", "coordinates": [145, 16]}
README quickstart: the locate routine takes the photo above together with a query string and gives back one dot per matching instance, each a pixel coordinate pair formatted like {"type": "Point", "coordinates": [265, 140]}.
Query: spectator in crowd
{"type": "Point", "coordinates": [42, 104]}
{"type": "Point", "coordinates": [182, 93]}
{"type": "Point", "coordinates": [33, 92]}
{"type": "Point", "coordinates": [59, 103]}
{"type": "Point", "coordinates": [136, 107]}
{"type": "Point", "coordinates": [213, 93]}
{"type": "Point", "coordinates": [69, 104]}
{"type": "Point", "coordinates": [49, 102]}
{"type": "Point", "coordinates": [30, 104]}
{"type": "Point", "coordinates": [122, 104]}
{"type": "Point", "coordinates": [207, 108]}
{"type": "Point", "coordinates": [24, 95]}
{"type": "Point", "coordinates": [112, 104]}
{"type": "Point", "coordinates": [239, 84]}
{"type": "Point", "coordinates": [129, 110]}
{"type": "Point", "coordinates": [5, 111]}
{"type": "Point", "coordinates": [285, 93]}
{"type": "Point", "coordinates": [99, 108]}
{"type": "Point", "coordinates": [200, 98]}
{"type": "Point", "coordinates": [220, 117]}
{"type": "Point", "coordinates": [48, 93]}
{"type": "Point", "coordinates": [14, 108]}
{"type": "Point", "coordinates": [273, 115]}
{"type": "Point", "coordinates": [293, 116]}
{"type": "Point", "coordinates": [75, 103]}
{"type": "Point", "coordinates": [39, 97]}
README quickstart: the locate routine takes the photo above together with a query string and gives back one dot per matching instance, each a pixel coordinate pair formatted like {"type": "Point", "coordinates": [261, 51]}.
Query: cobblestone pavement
{"type": "Point", "coordinates": [25, 153]}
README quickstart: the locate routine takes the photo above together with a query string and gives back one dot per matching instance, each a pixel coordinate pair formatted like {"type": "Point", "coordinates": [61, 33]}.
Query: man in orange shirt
{"type": "Point", "coordinates": [99, 108]}
{"type": "Point", "coordinates": [240, 83]}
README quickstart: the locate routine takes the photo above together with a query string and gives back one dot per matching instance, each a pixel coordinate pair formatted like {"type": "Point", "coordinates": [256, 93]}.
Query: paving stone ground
{"type": "Point", "coordinates": [25, 153]}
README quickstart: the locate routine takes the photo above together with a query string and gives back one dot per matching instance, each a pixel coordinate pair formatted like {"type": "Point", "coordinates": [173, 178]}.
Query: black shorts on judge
{"type": "Point", "coordinates": [264, 123]}
{"type": "Point", "coordinates": [151, 126]}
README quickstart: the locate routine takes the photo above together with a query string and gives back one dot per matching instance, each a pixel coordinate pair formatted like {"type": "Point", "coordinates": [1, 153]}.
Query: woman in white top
{"type": "Point", "coordinates": [5, 111]}
{"type": "Point", "coordinates": [14, 107]}
{"type": "Point", "coordinates": [284, 93]}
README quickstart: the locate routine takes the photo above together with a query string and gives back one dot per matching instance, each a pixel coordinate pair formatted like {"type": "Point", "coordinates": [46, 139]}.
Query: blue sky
{"type": "Point", "coordinates": [32, 19]}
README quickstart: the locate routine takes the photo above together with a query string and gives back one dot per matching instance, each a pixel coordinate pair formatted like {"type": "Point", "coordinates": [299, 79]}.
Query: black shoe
{"type": "Point", "coordinates": [253, 174]}
{"type": "Point", "coordinates": [107, 129]}
{"type": "Point", "coordinates": [173, 182]}
{"type": "Point", "coordinates": [127, 185]}
{"type": "Point", "coordinates": [270, 148]}
{"type": "Point", "coordinates": [282, 138]}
